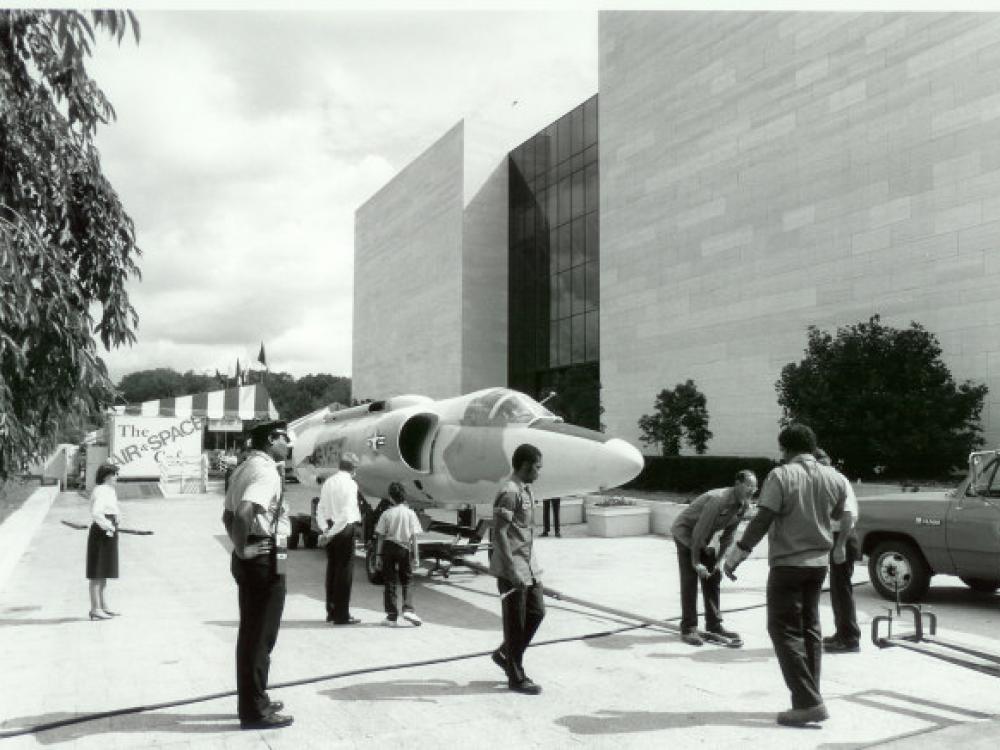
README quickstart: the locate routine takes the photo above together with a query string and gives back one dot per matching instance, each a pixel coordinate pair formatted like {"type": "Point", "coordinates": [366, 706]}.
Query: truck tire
{"type": "Point", "coordinates": [374, 576]}
{"type": "Point", "coordinates": [983, 585]}
{"type": "Point", "coordinates": [898, 561]}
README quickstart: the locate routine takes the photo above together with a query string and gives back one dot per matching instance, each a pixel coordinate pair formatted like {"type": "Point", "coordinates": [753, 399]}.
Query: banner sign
{"type": "Point", "coordinates": [226, 424]}
{"type": "Point", "coordinates": [140, 446]}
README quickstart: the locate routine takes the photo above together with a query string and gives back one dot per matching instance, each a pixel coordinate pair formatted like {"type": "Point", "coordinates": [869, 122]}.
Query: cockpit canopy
{"type": "Point", "coordinates": [501, 406]}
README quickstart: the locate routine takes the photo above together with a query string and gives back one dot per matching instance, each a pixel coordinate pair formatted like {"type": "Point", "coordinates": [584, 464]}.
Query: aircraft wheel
{"type": "Point", "coordinates": [374, 576]}
{"type": "Point", "coordinates": [983, 585]}
{"type": "Point", "coordinates": [897, 563]}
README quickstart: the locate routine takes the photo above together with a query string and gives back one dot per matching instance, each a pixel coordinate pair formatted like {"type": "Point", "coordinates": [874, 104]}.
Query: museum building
{"type": "Point", "coordinates": [737, 178]}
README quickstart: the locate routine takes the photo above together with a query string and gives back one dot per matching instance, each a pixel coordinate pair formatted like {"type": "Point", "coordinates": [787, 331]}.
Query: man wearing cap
{"type": "Point", "coordinates": [337, 515]}
{"type": "Point", "coordinates": [257, 523]}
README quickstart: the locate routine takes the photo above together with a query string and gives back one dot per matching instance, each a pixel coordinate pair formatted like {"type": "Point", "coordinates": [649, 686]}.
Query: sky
{"type": "Point", "coordinates": [247, 136]}
{"type": "Point", "coordinates": [246, 139]}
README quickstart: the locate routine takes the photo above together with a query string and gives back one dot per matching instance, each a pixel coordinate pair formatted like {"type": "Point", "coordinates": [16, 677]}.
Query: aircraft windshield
{"type": "Point", "coordinates": [503, 407]}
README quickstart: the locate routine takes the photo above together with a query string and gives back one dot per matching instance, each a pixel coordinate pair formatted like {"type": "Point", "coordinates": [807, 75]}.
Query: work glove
{"type": "Point", "coordinates": [734, 556]}
{"type": "Point", "coordinates": [703, 572]}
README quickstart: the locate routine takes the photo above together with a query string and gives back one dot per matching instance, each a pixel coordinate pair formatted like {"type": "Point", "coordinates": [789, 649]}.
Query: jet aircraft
{"type": "Point", "coordinates": [456, 451]}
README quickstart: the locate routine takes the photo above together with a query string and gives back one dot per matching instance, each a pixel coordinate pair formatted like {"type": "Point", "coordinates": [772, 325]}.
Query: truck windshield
{"type": "Point", "coordinates": [984, 481]}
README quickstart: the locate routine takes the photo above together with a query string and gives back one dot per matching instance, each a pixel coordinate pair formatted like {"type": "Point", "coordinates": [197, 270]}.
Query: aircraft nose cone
{"type": "Point", "coordinates": [622, 460]}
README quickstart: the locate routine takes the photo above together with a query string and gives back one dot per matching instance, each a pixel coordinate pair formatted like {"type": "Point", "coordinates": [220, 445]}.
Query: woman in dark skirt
{"type": "Point", "coordinates": [102, 541]}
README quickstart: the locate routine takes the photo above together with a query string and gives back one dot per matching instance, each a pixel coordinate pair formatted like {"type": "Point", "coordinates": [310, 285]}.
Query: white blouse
{"type": "Point", "coordinates": [104, 502]}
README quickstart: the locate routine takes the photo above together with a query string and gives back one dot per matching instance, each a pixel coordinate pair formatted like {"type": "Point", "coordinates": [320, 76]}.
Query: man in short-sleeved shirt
{"type": "Point", "coordinates": [847, 638]}
{"type": "Point", "coordinates": [395, 548]}
{"type": "Point", "coordinates": [713, 512]}
{"type": "Point", "coordinates": [255, 517]}
{"type": "Point", "coordinates": [517, 571]}
{"type": "Point", "coordinates": [797, 504]}
{"type": "Point", "coordinates": [338, 516]}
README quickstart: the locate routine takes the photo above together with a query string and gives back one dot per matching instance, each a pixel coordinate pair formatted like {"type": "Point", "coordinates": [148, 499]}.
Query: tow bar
{"type": "Point", "coordinates": [924, 640]}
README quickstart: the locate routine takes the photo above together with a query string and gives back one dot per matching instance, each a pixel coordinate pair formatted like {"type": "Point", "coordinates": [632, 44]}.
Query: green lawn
{"type": "Point", "coordinates": [13, 493]}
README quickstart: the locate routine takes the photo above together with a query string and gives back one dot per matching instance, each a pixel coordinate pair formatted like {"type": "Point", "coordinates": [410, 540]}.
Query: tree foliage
{"type": "Point", "coordinates": [66, 242]}
{"type": "Point", "coordinates": [680, 415]}
{"type": "Point", "coordinates": [881, 400]}
{"type": "Point", "coordinates": [292, 398]}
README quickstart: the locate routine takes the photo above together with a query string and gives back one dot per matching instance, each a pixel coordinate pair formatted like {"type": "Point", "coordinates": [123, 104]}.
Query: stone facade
{"type": "Point", "coordinates": [430, 279]}
{"type": "Point", "coordinates": [763, 172]}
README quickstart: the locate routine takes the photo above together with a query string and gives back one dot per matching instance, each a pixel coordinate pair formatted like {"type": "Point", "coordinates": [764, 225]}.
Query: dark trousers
{"type": "Point", "coordinates": [523, 611]}
{"type": "Point", "coordinates": [710, 590]}
{"type": "Point", "coordinates": [262, 599]}
{"type": "Point", "coordinates": [554, 504]}
{"type": "Point", "coordinates": [340, 574]}
{"type": "Point", "coordinates": [793, 624]}
{"type": "Point", "coordinates": [842, 594]}
{"type": "Point", "coordinates": [396, 569]}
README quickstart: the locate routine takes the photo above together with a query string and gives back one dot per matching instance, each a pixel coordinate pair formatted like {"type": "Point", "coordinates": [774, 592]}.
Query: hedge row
{"type": "Point", "coordinates": [696, 473]}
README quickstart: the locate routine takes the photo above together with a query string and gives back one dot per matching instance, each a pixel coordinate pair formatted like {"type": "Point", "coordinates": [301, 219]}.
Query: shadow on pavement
{"type": "Point", "coordinates": [624, 722]}
{"type": "Point", "coordinates": [6, 622]}
{"type": "Point", "coordinates": [136, 722]}
{"type": "Point", "coordinates": [421, 691]}
{"type": "Point", "coordinates": [721, 655]}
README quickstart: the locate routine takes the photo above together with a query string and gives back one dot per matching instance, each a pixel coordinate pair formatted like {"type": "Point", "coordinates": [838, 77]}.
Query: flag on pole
{"type": "Point", "coordinates": [262, 358]}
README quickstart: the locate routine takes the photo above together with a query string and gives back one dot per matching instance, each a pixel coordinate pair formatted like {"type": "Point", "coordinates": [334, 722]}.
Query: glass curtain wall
{"type": "Point", "coordinates": [554, 260]}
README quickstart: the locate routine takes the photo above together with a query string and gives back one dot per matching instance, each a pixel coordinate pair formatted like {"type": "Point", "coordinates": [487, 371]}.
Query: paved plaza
{"type": "Point", "coordinates": [163, 672]}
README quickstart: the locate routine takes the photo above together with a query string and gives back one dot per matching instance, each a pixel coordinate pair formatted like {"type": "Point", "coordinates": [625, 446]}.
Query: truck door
{"type": "Point", "coordinates": [973, 526]}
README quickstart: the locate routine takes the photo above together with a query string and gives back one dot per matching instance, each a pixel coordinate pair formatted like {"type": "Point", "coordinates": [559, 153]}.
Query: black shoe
{"type": "Point", "coordinates": [348, 621]}
{"type": "Point", "coordinates": [558, 534]}
{"type": "Point", "coordinates": [830, 639]}
{"type": "Point", "coordinates": [841, 647]}
{"type": "Point", "coordinates": [800, 717]}
{"type": "Point", "coordinates": [329, 617]}
{"type": "Point", "coordinates": [500, 659]}
{"type": "Point", "coordinates": [271, 721]}
{"type": "Point", "coordinates": [273, 707]}
{"type": "Point", "coordinates": [525, 685]}
{"type": "Point", "coordinates": [544, 533]}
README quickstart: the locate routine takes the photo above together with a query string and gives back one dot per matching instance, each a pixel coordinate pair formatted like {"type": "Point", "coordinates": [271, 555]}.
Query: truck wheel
{"type": "Point", "coordinates": [374, 576]}
{"type": "Point", "coordinates": [899, 563]}
{"type": "Point", "coordinates": [983, 585]}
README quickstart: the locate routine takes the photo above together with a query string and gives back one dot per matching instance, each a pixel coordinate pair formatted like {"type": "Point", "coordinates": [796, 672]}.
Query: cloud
{"type": "Point", "coordinates": [245, 141]}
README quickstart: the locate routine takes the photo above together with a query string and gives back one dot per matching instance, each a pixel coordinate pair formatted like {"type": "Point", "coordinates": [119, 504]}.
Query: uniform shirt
{"type": "Point", "coordinates": [513, 516]}
{"type": "Point", "coordinates": [338, 503]}
{"type": "Point", "coordinates": [103, 503]}
{"type": "Point", "coordinates": [803, 495]}
{"type": "Point", "coordinates": [256, 481]}
{"type": "Point", "coordinates": [850, 505]}
{"type": "Point", "coordinates": [398, 524]}
{"type": "Point", "coordinates": [714, 511]}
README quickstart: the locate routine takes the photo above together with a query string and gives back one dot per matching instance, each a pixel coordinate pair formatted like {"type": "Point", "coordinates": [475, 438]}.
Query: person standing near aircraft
{"type": "Point", "coordinates": [715, 511]}
{"type": "Point", "coordinates": [396, 548]}
{"type": "Point", "coordinates": [516, 569]}
{"type": "Point", "coordinates": [337, 515]}
{"type": "Point", "coordinates": [102, 540]}
{"type": "Point", "coordinates": [797, 503]}
{"type": "Point", "coordinates": [257, 521]}
{"type": "Point", "coordinates": [847, 639]}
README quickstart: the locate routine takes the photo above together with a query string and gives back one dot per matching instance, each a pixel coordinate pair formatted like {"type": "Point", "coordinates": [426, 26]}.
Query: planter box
{"type": "Point", "coordinates": [664, 515]}
{"type": "Point", "coordinates": [619, 520]}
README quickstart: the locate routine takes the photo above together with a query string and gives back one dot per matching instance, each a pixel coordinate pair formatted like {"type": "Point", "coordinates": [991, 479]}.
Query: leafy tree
{"type": "Point", "coordinates": [879, 396]}
{"type": "Point", "coordinates": [680, 414]}
{"type": "Point", "coordinates": [66, 242]}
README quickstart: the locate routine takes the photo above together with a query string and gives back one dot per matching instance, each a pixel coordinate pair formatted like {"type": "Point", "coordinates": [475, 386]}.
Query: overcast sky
{"type": "Point", "coordinates": [245, 141]}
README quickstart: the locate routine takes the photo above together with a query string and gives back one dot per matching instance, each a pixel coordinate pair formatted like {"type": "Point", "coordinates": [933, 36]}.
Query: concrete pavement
{"type": "Point", "coordinates": [607, 682]}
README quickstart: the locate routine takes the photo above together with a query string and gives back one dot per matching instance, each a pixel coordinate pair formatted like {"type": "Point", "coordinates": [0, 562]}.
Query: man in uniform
{"type": "Point", "coordinates": [257, 523]}
{"type": "Point", "coordinates": [517, 572]}
{"type": "Point", "coordinates": [715, 511]}
{"type": "Point", "coordinates": [797, 503]}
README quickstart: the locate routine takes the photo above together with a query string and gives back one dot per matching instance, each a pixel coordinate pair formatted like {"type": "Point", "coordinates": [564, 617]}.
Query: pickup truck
{"type": "Point", "coordinates": [910, 536]}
